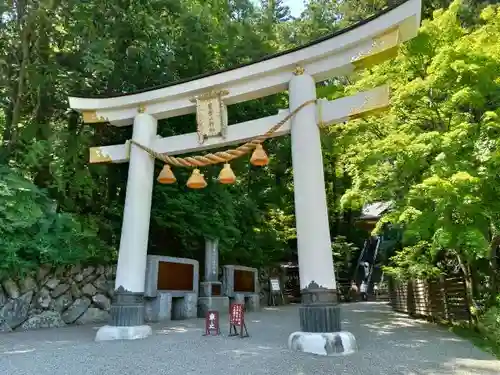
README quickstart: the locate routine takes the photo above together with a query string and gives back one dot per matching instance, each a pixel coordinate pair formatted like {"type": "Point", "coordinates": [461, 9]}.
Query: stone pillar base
{"type": "Point", "coordinates": [320, 318]}
{"type": "Point", "coordinates": [126, 320]}
{"type": "Point", "coordinates": [238, 298]}
{"type": "Point", "coordinates": [107, 333]}
{"type": "Point", "coordinates": [319, 311]}
{"type": "Point", "coordinates": [127, 309]}
{"type": "Point", "coordinates": [323, 343]}
{"type": "Point", "coordinates": [250, 300]}
{"type": "Point", "coordinates": [210, 289]}
{"type": "Point", "coordinates": [320, 325]}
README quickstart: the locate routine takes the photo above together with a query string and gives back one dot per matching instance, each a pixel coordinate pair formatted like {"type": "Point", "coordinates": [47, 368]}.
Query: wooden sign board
{"type": "Point", "coordinates": [275, 291]}
{"type": "Point", "coordinates": [244, 281]}
{"type": "Point", "coordinates": [275, 285]}
{"type": "Point", "coordinates": [212, 323]}
{"type": "Point", "coordinates": [175, 276]}
{"type": "Point", "coordinates": [237, 319]}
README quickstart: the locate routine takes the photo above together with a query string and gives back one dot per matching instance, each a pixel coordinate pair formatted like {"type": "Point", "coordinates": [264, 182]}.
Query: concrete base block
{"type": "Point", "coordinates": [220, 304]}
{"type": "Point", "coordinates": [323, 343]}
{"type": "Point", "coordinates": [159, 308]}
{"type": "Point", "coordinates": [210, 289]}
{"type": "Point", "coordinates": [107, 333]}
{"type": "Point", "coordinates": [185, 307]}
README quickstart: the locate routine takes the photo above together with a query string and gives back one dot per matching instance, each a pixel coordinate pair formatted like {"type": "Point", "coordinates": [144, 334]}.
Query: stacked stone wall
{"type": "Point", "coordinates": [56, 297]}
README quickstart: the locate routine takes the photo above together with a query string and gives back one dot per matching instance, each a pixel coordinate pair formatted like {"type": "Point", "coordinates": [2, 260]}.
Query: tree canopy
{"type": "Point", "coordinates": [435, 152]}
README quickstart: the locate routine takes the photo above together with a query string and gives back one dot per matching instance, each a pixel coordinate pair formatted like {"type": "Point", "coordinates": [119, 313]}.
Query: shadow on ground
{"type": "Point", "coordinates": [389, 344]}
{"type": "Point", "coordinates": [415, 346]}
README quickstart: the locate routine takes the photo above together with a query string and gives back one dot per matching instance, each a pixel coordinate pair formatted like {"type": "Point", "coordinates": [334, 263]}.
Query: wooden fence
{"type": "Point", "coordinates": [441, 299]}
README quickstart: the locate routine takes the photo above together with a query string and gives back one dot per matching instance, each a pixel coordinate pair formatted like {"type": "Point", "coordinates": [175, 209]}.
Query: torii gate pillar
{"type": "Point", "coordinates": [319, 313]}
{"type": "Point", "coordinates": [127, 311]}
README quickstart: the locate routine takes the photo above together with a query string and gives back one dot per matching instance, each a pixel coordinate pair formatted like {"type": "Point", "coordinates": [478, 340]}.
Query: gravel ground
{"type": "Point", "coordinates": [389, 344]}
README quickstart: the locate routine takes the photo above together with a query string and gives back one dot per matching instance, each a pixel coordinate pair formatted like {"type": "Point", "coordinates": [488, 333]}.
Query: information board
{"type": "Point", "coordinates": [275, 291]}
{"type": "Point", "coordinates": [212, 327]}
{"type": "Point", "coordinates": [237, 320]}
{"type": "Point", "coordinates": [275, 285]}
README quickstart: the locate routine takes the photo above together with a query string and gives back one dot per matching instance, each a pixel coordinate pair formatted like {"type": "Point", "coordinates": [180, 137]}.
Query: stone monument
{"type": "Point", "coordinates": [171, 288]}
{"type": "Point", "coordinates": [241, 285]}
{"type": "Point", "coordinates": [211, 297]}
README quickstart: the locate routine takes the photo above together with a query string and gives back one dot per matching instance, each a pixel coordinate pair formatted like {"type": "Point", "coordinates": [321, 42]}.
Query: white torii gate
{"type": "Point", "coordinates": [297, 70]}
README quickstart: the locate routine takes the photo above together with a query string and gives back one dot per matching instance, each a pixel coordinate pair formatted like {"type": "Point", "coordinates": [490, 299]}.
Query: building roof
{"type": "Point", "coordinates": [375, 210]}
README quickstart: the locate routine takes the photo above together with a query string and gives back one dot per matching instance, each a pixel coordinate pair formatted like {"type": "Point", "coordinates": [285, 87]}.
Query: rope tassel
{"type": "Point", "coordinates": [166, 175]}
{"type": "Point", "coordinates": [196, 180]}
{"type": "Point", "coordinates": [259, 157]}
{"type": "Point", "coordinates": [226, 175]}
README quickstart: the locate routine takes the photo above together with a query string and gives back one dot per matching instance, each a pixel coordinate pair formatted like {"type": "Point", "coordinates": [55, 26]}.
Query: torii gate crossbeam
{"type": "Point", "coordinates": [328, 112]}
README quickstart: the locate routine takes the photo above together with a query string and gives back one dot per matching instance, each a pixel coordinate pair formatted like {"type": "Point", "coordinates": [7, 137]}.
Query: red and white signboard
{"type": "Point", "coordinates": [236, 315]}
{"type": "Point", "coordinates": [237, 319]}
{"type": "Point", "coordinates": [212, 323]}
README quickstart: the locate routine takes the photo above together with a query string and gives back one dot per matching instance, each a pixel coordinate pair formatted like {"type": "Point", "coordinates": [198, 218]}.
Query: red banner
{"type": "Point", "coordinates": [236, 314]}
{"type": "Point", "coordinates": [212, 323]}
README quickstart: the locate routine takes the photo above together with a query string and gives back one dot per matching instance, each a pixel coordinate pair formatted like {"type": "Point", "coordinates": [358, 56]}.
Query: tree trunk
{"type": "Point", "coordinates": [469, 288]}
{"type": "Point", "coordinates": [18, 90]}
{"type": "Point", "coordinates": [7, 133]}
{"type": "Point", "coordinates": [21, 80]}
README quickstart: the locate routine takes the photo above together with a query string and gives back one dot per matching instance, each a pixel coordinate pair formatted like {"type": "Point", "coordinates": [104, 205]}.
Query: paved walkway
{"type": "Point", "coordinates": [389, 344]}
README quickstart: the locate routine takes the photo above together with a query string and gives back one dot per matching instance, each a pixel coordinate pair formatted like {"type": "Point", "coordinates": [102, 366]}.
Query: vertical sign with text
{"type": "Point", "coordinates": [215, 271]}
{"type": "Point", "coordinates": [237, 319]}
{"type": "Point", "coordinates": [212, 323]}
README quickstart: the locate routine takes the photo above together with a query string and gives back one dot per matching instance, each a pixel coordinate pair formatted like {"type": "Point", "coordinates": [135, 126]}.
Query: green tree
{"type": "Point", "coordinates": [435, 152]}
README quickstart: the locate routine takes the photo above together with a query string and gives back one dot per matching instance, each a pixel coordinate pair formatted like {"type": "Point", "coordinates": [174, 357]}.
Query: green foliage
{"type": "Point", "coordinates": [413, 262]}
{"type": "Point", "coordinates": [32, 232]}
{"type": "Point", "coordinates": [344, 253]}
{"type": "Point", "coordinates": [489, 324]}
{"type": "Point", "coordinates": [52, 49]}
{"type": "Point", "coordinates": [435, 152]}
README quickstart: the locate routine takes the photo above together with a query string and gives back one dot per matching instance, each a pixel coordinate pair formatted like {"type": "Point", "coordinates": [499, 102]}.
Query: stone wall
{"type": "Point", "coordinates": [57, 297]}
